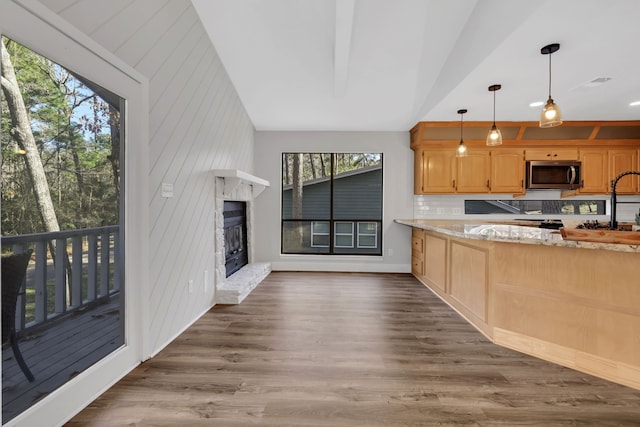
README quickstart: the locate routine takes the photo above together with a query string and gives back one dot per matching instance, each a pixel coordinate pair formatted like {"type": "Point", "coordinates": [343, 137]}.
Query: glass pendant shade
{"type": "Point", "coordinates": [551, 115]}
{"type": "Point", "coordinates": [462, 150]}
{"type": "Point", "coordinates": [494, 137]}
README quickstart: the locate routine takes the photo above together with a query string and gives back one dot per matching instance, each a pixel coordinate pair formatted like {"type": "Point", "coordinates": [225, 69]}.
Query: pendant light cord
{"type": "Point", "coordinates": [494, 108]}
{"type": "Point", "coordinates": [550, 75]}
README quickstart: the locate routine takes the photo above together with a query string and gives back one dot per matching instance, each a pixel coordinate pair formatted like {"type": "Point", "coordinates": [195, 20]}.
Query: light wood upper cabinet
{"type": "Point", "coordinates": [623, 160]}
{"type": "Point", "coordinates": [474, 172]}
{"type": "Point", "coordinates": [507, 170]}
{"type": "Point", "coordinates": [439, 171]}
{"type": "Point", "coordinates": [551, 154]}
{"type": "Point", "coordinates": [436, 171]}
{"type": "Point", "coordinates": [594, 170]}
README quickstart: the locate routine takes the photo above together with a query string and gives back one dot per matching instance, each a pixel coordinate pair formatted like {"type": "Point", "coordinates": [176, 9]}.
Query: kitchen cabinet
{"type": "Point", "coordinates": [551, 154]}
{"type": "Point", "coordinates": [474, 172]}
{"type": "Point", "coordinates": [507, 170]}
{"type": "Point", "coordinates": [481, 171]}
{"type": "Point", "coordinates": [435, 261]}
{"type": "Point", "coordinates": [429, 258]}
{"type": "Point", "coordinates": [594, 170]}
{"type": "Point", "coordinates": [623, 160]}
{"type": "Point", "coordinates": [502, 169]}
{"type": "Point", "coordinates": [435, 171]}
{"type": "Point", "coordinates": [417, 252]}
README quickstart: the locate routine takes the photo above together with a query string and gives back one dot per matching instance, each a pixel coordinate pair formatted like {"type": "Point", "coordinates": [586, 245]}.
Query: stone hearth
{"type": "Point", "coordinates": [232, 184]}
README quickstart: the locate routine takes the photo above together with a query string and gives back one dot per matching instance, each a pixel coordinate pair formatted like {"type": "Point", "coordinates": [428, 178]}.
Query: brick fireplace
{"type": "Point", "coordinates": [236, 186]}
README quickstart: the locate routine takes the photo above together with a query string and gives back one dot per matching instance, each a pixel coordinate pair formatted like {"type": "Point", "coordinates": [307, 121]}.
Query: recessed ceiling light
{"type": "Point", "coordinates": [634, 103]}
{"type": "Point", "coordinates": [536, 104]}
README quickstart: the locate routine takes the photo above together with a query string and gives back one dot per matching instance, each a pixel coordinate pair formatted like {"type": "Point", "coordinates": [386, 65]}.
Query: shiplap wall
{"type": "Point", "coordinates": [196, 123]}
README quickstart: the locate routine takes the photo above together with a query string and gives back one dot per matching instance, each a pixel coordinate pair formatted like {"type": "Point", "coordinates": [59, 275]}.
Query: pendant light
{"type": "Point", "coordinates": [551, 115]}
{"type": "Point", "coordinates": [494, 137]}
{"type": "Point", "coordinates": [462, 149]}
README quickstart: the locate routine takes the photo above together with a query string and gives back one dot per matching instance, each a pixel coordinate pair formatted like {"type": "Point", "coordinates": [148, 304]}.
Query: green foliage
{"type": "Point", "coordinates": [71, 126]}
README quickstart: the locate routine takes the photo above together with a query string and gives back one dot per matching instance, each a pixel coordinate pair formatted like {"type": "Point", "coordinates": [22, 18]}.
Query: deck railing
{"type": "Point", "coordinates": [70, 270]}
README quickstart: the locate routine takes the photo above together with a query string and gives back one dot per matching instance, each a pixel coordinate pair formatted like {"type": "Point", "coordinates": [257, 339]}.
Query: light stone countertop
{"type": "Point", "coordinates": [509, 232]}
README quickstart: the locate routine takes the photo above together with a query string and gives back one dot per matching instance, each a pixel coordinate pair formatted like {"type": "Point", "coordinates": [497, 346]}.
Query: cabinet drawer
{"type": "Point", "coordinates": [417, 245]}
{"type": "Point", "coordinates": [417, 266]}
{"type": "Point", "coordinates": [551, 154]}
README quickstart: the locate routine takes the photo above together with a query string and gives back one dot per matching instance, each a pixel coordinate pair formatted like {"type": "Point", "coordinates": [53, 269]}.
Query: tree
{"type": "Point", "coordinates": [21, 132]}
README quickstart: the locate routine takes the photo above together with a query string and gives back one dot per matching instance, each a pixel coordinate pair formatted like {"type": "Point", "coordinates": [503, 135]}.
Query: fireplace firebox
{"type": "Point", "coordinates": [235, 236]}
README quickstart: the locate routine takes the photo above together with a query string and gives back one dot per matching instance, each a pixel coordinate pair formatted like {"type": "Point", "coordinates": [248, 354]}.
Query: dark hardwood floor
{"type": "Point", "coordinates": [335, 349]}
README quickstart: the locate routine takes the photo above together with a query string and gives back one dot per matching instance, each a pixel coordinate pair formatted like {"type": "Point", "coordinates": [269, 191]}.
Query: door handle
{"type": "Point", "coordinates": [571, 175]}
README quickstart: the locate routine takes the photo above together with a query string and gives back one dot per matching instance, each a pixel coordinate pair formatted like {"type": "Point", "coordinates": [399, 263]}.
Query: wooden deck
{"type": "Point", "coordinates": [335, 349]}
{"type": "Point", "coordinates": [58, 353]}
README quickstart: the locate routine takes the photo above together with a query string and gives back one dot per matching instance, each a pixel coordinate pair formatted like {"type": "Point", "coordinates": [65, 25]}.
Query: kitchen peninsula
{"type": "Point", "coordinates": [573, 303]}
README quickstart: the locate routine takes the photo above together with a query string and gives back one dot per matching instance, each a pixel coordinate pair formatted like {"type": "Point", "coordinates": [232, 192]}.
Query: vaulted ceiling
{"type": "Point", "coordinates": [384, 65]}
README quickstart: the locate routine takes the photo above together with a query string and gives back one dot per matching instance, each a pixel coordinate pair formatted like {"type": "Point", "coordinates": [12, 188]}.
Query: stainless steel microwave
{"type": "Point", "coordinates": [559, 174]}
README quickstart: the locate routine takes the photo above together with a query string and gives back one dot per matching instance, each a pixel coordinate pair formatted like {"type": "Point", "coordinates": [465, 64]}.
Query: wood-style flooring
{"type": "Point", "coordinates": [336, 349]}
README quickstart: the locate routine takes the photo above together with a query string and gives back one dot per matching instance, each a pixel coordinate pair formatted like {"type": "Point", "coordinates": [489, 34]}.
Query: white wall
{"type": "Point", "coordinates": [397, 193]}
{"type": "Point", "coordinates": [196, 123]}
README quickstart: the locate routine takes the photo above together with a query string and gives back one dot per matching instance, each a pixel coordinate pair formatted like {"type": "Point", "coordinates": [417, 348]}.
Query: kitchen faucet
{"type": "Point", "coordinates": [614, 182]}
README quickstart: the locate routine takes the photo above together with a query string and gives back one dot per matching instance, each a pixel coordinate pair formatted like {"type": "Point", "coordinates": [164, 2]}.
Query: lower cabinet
{"type": "Point", "coordinates": [456, 270]}
{"type": "Point", "coordinates": [417, 252]}
{"type": "Point", "coordinates": [435, 260]}
{"type": "Point", "coordinates": [468, 284]}
{"type": "Point", "coordinates": [572, 306]}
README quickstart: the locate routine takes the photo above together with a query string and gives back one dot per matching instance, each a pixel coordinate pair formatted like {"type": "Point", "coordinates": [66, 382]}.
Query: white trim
{"type": "Point", "coordinates": [336, 234]}
{"type": "Point", "coordinates": [313, 233]}
{"type": "Point", "coordinates": [32, 24]}
{"type": "Point", "coordinates": [375, 235]}
{"type": "Point", "coordinates": [234, 177]}
{"type": "Point", "coordinates": [48, 17]}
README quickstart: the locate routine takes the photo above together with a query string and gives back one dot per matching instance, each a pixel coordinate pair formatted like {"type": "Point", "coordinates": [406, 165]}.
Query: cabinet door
{"type": "Point", "coordinates": [435, 260]}
{"type": "Point", "coordinates": [507, 171]}
{"type": "Point", "coordinates": [474, 172]}
{"type": "Point", "coordinates": [438, 171]}
{"type": "Point", "coordinates": [552, 154]}
{"type": "Point", "coordinates": [594, 170]}
{"type": "Point", "coordinates": [623, 160]}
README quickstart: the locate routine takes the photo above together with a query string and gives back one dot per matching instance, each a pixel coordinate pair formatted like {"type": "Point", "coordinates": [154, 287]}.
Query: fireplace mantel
{"type": "Point", "coordinates": [234, 177]}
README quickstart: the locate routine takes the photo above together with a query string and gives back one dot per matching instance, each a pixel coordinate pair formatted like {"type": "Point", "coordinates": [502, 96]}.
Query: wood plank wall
{"type": "Point", "coordinates": [197, 123]}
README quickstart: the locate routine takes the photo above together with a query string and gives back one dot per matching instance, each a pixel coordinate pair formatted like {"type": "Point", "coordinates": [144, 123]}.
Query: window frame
{"type": "Point", "coordinates": [375, 235]}
{"type": "Point", "coordinates": [295, 246]}
{"type": "Point", "coordinates": [336, 234]}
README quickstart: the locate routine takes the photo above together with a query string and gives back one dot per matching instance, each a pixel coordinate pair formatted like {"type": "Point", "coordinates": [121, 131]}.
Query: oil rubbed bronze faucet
{"type": "Point", "coordinates": [614, 182]}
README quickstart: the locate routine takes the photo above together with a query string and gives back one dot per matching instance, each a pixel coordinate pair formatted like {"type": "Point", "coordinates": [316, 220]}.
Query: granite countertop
{"type": "Point", "coordinates": [510, 232]}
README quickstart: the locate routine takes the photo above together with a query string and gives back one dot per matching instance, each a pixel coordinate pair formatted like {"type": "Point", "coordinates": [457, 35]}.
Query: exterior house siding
{"type": "Point", "coordinates": [356, 196]}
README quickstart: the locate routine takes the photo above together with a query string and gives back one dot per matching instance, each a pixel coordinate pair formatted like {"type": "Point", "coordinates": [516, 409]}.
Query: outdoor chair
{"type": "Point", "coordinates": [14, 270]}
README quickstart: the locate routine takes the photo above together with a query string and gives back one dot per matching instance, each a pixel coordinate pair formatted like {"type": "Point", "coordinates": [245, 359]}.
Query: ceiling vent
{"type": "Point", "coordinates": [594, 82]}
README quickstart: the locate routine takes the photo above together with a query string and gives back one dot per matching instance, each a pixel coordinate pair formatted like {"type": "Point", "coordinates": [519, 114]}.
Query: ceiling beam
{"type": "Point", "coordinates": [342, 49]}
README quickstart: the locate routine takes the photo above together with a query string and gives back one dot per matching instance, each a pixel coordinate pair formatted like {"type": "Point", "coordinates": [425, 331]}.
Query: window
{"type": "Point", "coordinates": [332, 203]}
{"type": "Point", "coordinates": [344, 234]}
{"type": "Point", "coordinates": [320, 234]}
{"type": "Point", "coordinates": [65, 202]}
{"type": "Point", "coordinates": [367, 232]}
{"type": "Point", "coordinates": [536, 207]}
